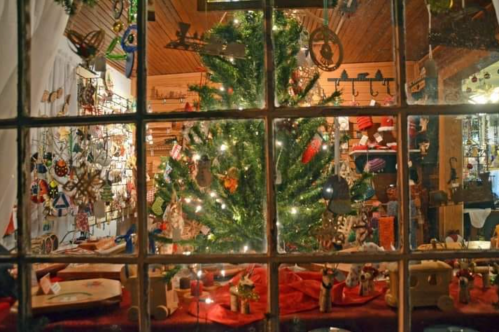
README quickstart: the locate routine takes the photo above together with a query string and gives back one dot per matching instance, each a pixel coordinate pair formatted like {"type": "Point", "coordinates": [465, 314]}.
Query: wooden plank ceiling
{"type": "Point", "coordinates": [366, 35]}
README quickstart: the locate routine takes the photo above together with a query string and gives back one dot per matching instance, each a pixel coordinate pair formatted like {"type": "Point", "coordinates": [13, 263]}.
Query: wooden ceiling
{"type": "Point", "coordinates": [366, 35]}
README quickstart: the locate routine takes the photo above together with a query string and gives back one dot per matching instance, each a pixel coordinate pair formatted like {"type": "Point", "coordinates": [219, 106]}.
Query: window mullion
{"type": "Point", "coordinates": [272, 266]}
{"type": "Point", "coordinates": [142, 271]}
{"type": "Point", "coordinates": [23, 110]}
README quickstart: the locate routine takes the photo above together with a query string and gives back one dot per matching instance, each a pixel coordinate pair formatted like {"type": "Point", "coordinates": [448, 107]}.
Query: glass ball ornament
{"type": "Point", "coordinates": [118, 26]}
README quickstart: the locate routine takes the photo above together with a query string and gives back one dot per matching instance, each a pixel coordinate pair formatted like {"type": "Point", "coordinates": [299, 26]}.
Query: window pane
{"type": "Point", "coordinates": [8, 198]}
{"type": "Point", "coordinates": [8, 60]}
{"type": "Point", "coordinates": [453, 170]}
{"type": "Point", "coordinates": [78, 65]}
{"type": "Point", "coordinates": [92, 297]}
{"type": "Point", "coordinates": [453, 296]}
{"type": "Point", "coordinates": [8, 296]}
{"type": "Point", "coordinates": [452, 52]}
{"type": "Point", "coordinates": [340, 55]}
{"type": "Point", "coordinates": [204, 60]}
{"type": "Point", "coordinates": [83, 190]}
{"type": "Point", "coordinates": [335, 297]}
{"type": "Point", "coordinates": [206, 187]}
{"type": "Point", "coordinates": [209, 297]}
{"type": "Point", "coordinates": [335, 183]}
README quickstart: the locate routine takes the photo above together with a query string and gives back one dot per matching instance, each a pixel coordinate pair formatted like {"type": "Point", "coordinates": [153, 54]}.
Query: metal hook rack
{"type": "Point", "coordinates": [363, 77]}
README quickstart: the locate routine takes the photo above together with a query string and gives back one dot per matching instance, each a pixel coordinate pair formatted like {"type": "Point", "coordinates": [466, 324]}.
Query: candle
{"type": "Point", "coordinates": [208, 279]}
{"type": "Point", "coordinates": [196, 287]}
{"type": "Point", "coordinates": [185, 282]}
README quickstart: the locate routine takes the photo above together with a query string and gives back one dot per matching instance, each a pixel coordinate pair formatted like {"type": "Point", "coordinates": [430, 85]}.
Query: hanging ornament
{"type": "Point", "coordinates": [47, 158]}
{"type": "Point", "coordinates": [468, 90]}
{"type": "Point", "coordinates": [387, 124]}
{"type": "Point", "coordinates": [81, 221]}
{"type": "Point", "coordinates": [474, 79]}
{"type": "Point", "coordinates": [469, 166]}
{"type": "Point", "coordinates": [61, 168]}
{"type": "Point", "coordinates": [53, 189]}
{"type": "Point", "coordinates": [364, 122]}
{"type": "Point", "coordinates": [107, 193]}
{"type": "Point", "coordinates": [61, 204]}
{"type": "Point", "coordinates": [166, 173]}
{"type": "Point", "coordinates": [175, 152]}
{"type": "Point", "coordinates": [231, 181]}
{"type": "Point", "coordinates": [325, 48]}
{"type": "Point", "coordinates": [188, 108]}
{"type": "Point", "coordinates": [39, 191]}
{"type": "Point", "coordinates": [312, 149]}
{"type": "Point", "coordinates": [157, 206]}
{"type": "Point", "coordinates": [486, 75]}
{"type": "Point", "coordinates": [204, 176]}
{"type": "Point", "coordinates": [85, 187]}
{"type": "Point", "coordinates": [118, 26]}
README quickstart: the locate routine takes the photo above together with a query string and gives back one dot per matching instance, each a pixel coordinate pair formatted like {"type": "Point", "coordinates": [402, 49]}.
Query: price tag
{"type": "Point", "coordinates": [363, 140]}
{"type": "Point", "coordinates": [56, 288]}
{"type": "Point", "coordinates": [45, 284]}
{"type": "Point", "coordinates": [378, 137]}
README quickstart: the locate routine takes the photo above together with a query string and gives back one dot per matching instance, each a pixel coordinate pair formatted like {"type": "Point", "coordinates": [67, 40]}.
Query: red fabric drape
{"type": "Point", "coordinates": [298, 291]}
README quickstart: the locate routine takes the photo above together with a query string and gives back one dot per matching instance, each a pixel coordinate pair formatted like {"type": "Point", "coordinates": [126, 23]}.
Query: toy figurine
{"type": "Point", "coordinates": [465, 284]}
{"type": "Point", "coordinates": [325, 297]}
{"type": "Point", "coordinates": [367, 277]}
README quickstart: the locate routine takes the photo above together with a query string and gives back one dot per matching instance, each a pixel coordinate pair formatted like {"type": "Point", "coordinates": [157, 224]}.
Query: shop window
{"type": "Point", "coordinates": [249, 170]}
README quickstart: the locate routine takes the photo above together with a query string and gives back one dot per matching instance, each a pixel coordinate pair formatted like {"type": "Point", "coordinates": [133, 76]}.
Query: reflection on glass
{"type": "Point", "coordinates": [453, 168]}
{"type": "Point", "coordinates": [455, 295]}
{"type": "Point", "coordinates": [200, 297]}
{"type": "Point", "coordinates": [336, 297]}
{"type": "Point", "coordinates": [82, 190]}
{"type": "Point", "coordinates": [8, 198]}
{"type": "Point", "coordinates": [335, 183]}
{"type": "Point", "coordinates": [206, 187]}
{"type": "Point", "coordinates": [452, 50]}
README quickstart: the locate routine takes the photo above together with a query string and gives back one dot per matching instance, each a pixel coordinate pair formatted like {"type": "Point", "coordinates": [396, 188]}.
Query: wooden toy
{"type": "Point", "coordinates": [325, 297]}
{"type": "Point", "coordinates": [429, 283]}
{"type": "Point", "coordinates": [77, 295]}
{"type": "Point", "coordinates": [367, 276]}
{"type": "Point", "coordinates": [91, 271]}
{"type": "Point", "coordinates": [162, 298]}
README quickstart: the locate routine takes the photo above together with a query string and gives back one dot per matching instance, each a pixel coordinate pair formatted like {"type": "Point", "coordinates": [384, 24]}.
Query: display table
{"type": "Point", "coordinates": [372, 316]}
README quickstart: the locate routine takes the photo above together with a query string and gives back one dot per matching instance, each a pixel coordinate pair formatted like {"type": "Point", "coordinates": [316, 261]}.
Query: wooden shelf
{"type": "Point", "coordinates": [378, 152]}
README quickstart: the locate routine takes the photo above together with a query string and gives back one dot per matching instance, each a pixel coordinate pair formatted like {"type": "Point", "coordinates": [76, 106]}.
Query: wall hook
{"type": "Point", "coordinates": [388, 88]}
{"type": "Point", "coordinates": [354, 93]}
{"type": "Point", "coordinates": [374, 94]}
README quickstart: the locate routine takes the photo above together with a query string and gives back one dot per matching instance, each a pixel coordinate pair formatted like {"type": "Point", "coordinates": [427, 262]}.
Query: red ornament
{"type": "Point", "coordinates": [312, 149]}
{"type": "Point", "coordinates": [474, 79]}
{"type": "Point", "coordinates": [469, 166]}
{"type": "Point", "coordinates": [230, 91]}
{"type": "Point", "coordinates": [61, 168]}
{"type": "Point", "coordinates": [188, 108]}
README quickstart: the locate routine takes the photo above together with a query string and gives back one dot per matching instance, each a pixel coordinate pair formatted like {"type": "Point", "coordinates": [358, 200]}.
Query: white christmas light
{"type": "Point", "coordinates": [222, 273]}
{"type": "Point", "coordinates": [245, 249]}
{"type": "Point", "coordinates": [278, 143]}
{"type": "Point", "coordinates": [223, 206]}
{"type": "Point", "coordinates": [213, 194]}
{"type": "Point", "coordinates": [222, 88]}
{"type": "Point", "coordinates": [209, 301]}
{"type": "Point", "coordinates": [329, 190]}
{"type": "Point", "coordinates": [240, 108]}
{"type": "Point", "coordinates": [236, 21]}
{"type": "Point", "coordinates": [324, 147]}
{"type": "Point", "coordinates": [199, 273]}
{"type": "Point", "coordinates": [294, 210]}
{"type": "Point", "coordinates": [231, 59]}
{"type": "Point", "coordinates": [198, 208]}
{"type": "Point", "coordinates": [196, 157]}
{"type": "Point", "coordinates": [223, 147]}
{"type": "Point", "coordinates": [188, 200]}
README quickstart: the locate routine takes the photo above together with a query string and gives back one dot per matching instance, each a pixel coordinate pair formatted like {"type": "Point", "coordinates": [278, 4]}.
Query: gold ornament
{"type": "Point", "coordinates": [118, 26]}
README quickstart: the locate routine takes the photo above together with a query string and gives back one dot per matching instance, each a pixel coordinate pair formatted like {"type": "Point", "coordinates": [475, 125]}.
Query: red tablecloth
{"type": "Point", "coordinates": [374, 315]}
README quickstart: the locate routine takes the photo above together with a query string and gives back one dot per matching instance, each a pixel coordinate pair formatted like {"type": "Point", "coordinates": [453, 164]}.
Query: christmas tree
{"type": "Point", "coordinates": [219, 176]}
